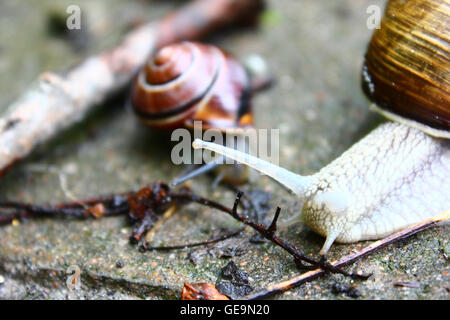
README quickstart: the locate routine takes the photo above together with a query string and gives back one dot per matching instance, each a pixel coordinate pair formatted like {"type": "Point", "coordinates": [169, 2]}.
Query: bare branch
{"type": "Point", "coordinates": [55, 101]}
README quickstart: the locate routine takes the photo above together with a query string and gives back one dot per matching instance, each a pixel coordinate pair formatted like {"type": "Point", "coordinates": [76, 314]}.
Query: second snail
{"type": "Point", "coordinates": [190, 82]}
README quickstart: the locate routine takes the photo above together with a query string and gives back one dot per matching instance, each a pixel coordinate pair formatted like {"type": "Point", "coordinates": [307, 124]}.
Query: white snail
{"type": "Point", "coordinates": [399, 174]}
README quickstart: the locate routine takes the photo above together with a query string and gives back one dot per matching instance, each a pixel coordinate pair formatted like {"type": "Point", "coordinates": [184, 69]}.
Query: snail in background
{"type": "Point", "coordinates": [399, 174]}
{"type": "Point", "coordinates": [188, 81]}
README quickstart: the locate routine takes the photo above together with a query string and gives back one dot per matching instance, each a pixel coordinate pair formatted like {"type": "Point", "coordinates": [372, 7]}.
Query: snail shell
{"type": "Point", "coordinates": [406, 68]}
{"type": "Point", "coordinates": [399, 174]}
{"type": "Point", "coordinates": [186, 82]}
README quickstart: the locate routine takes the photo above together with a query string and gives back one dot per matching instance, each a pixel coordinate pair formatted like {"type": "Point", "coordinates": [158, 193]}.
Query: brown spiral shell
{"type": "Point", "coordinates": [186, 82]}
{"type": "Point", "coordinates": [407, 65]}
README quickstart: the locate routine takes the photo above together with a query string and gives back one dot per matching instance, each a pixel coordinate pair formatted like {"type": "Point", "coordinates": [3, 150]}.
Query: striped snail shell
{"type": "Point", "coordinates": [186, 82]}
{"type": "Point", "coordinates": [406, 71]}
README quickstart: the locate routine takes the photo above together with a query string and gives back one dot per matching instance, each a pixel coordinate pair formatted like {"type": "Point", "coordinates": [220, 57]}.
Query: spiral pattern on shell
{"type": "Point", "coordinates": [186, 82]}
{"type": "Point", "coordinates": [406, 69]}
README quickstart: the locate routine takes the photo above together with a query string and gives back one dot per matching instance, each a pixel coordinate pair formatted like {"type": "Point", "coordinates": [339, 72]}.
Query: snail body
{"type": "Point", "coordinates": [186, 82]}
{"type": "Point", "coordinates": [399, 174]}
{"type": "Point", "coordinates": [378, 186]}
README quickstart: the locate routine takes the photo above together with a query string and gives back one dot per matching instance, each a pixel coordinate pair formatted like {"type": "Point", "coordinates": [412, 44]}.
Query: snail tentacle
{"type": "Point", "coordinates": [296, 183]}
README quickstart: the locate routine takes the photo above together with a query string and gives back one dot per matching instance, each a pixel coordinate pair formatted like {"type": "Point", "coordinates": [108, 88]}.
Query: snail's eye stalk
{"type": "Point", "coordinates": [298, 184]}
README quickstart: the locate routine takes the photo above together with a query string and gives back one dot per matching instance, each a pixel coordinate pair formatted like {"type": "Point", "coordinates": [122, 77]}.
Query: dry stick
{"type": "Point", "coordinates": [313, 274]}
{"type": "Point", "coordinates": [115, 199]}
{"type": "Point", "coordinates": [115, 204]}
{"type": "Point", "coordinates": [268, 233]}
{"type": "Point", "coordinates": [27, 211]}
{"type": "Point", "coordinates": [55, 101]}
{"type": "Point", "coordinates": [147, 247]}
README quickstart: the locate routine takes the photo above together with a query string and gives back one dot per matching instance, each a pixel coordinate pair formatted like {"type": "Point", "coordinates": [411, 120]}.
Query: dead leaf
{"type": "Point", "coordinates": [201, 291]}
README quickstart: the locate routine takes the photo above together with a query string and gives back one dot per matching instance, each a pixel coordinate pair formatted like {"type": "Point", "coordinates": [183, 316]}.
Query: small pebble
{"type": "Point", "coordinates": [2, 280]}
{"type": "Point", "coordinates": [120, 264]}
{"type": "Point", "coordinates": [350, 291]}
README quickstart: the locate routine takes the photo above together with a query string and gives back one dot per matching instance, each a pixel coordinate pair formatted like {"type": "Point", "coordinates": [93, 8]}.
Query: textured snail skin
{"type": "Point", "coordinates": [394, 177]}
{"type": "Point", "coordinates": [186, 82]}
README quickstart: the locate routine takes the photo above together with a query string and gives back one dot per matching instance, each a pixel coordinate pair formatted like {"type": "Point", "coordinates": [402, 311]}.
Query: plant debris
{"type": "Point", "coordinates": [144, 206]}
{"type": "Point", "coordinates": [228, 246]}
{"type": "Point", "coordinates": [405, 284]}
{"type": "Point", "coordinates": [201, 291]}
{"type": "Point", "coordinates": [222, 236]}
{"type": "Point", "coordinates": [233, 282]}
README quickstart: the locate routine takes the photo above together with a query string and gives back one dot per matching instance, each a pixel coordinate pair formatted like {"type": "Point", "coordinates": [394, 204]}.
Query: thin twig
{"type": "Point", "coordinates": [144, 205]}
{"type": "Point", "coordinates": [299, 256]}
{"type": "Point", "coordinates": [313, 274]}
{"type": "Point", "coordinates": [112, 205]}
{"type": "Point", "coordinates": [147, 247]}
{"type": "Point", "coordinates": [145, 208]}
